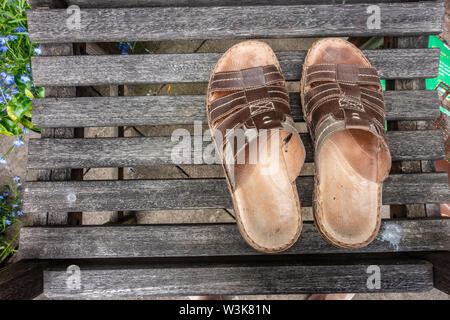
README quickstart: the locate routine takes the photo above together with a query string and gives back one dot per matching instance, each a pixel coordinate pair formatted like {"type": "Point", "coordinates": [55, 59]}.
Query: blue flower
{"type": "Point", "coordinates": [20, 212]}
{"type": "Point", "coordinates": [5, 194]}
{"type": "Point", "coordinates": [18, 142]}
{"type": "Point", "coordinates": [15, 205]}
{"type": "Point", "coordinates": [24, 78]}
{"type": "Point", "coordinates": [20, 29]}
{"type": "Point", "coordinates": [3, 40]}
{"type": "Point", "coordinates": [9, 79]}
{"type": "Point", "coordinates": [12, 38]}
{"type": "Point", "coordinates": [3, 161]}
{"type": "Point", "coordinates": [3, 48]}
{"type": "Point", "coordinates": [7, 222]}
{"type": "Point", "coordinates": [13, 214]}
{"type": "Point", "coordinates": [1, 197]}
{"type": "Point", "coordinates": [124, 46]}
{"type": "Point", "coordinates": [25, 130]}
{"type": "Point", "coordinates": [38, 51]}
{"type": "Point", "coordinates": [16, 178]}
{"type": "Point", "coordinates": [19, 184]}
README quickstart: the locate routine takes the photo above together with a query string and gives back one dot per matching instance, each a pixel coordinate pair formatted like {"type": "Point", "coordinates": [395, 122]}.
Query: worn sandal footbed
{"type": "Point", "coordinates": [344, 109]}
{"type": "Point", "coordinates": [248, 90]}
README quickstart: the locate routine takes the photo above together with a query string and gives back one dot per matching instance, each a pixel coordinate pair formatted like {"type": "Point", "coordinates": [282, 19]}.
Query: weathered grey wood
{"type": "Point", "coordinates": [197, 67]}
{"type": "Point", "coordinates": [185, 109]}
{"type": "Point", "coordinates": [200, 3]}
{"type": "Point", "coordinates": [410, 145]}
{"type": "Point", "coordinates": [147, 151]}
{"type": "Point", "coordinates": [412, 84]}
{"type": "Point", "coordinates": [156, 241]}
{"type": "Point", "coordinates": [236, 279]}
{"type": "Point", "coordinates": [409, 185]}
{"type": "Point", "coordinates": [21, 280]}
{"type": "Point", "coordinates": [124, 195]}
{"type": "Point", "coordinates": [149, 24]}
{"type": "Point", "coordinates": [44, 218]}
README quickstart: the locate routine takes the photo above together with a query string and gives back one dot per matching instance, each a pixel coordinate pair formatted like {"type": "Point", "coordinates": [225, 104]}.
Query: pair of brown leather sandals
{"type": "Point", "coordinates": [262, 154]}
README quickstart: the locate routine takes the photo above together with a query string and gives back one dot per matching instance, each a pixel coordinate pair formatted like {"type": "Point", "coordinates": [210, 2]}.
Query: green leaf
{"type": "Point", "coordinates": [10, 111]}
{"type": "Point", "coordinates": [27, 124]}
{"type": "Point", "coordinates": [29, 94]}
{"type": "Point", "coordinates": [40, 92]}
{"type": "Point", "coordinates": [17, 107]}
{"type": "Point", "coordinates": [28, 113]}
{"type": "Point", "coordinates": [5, 131]}
{"type": "Point", "coordinates": [10, 126]}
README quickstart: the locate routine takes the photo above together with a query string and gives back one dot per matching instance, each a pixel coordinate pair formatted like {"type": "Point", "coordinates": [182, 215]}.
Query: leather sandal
{"type": "Point", "coordinates": [344, 109]}
{"type": "Point", "coordinates": [262, 154]}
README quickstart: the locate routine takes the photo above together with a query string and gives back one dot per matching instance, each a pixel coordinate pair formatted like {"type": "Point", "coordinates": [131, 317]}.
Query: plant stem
{"type": "Point", "coordinates": [3, 254]}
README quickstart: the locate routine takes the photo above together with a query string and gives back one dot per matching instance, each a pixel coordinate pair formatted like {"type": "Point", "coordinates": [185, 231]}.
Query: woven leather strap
{"type": "Point", "coordinates": [259, 100]}
{"type": "Point", "coordinates": [245, 79]}
{"type": "Point", "coordinates": [348, 92]}
{"type": "Point", "coordinates": [255, 99]}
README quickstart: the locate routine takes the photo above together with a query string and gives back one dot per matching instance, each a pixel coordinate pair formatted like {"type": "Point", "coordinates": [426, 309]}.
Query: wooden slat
{"type": "Point", "coordinates": [99, 281]}
{"type": "Point", "coordinates": [416, 145]}
{"type": "Point", "coordinates": [157, 241]}
{"type": "Point", "coordinates": [150, 24]}
{"type": "Point", "coordinates": [201, 193]}
{"type": "Point", "coordinates": [148, 151]}
{"type": "Point", "coordinates": [197, 67]}
{"type": "Point", "coordinates": [199, 3]}
{"type": "Point", "coordinates": [185, 109]}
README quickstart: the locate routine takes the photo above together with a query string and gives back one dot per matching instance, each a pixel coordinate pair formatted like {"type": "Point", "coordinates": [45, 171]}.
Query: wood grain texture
{"type": "Point", "coordinates": [187, 23]}
{"type": "Point", "coordinates": [185, 109]}
{"type": "Point", "coordinates": [197, 67]}
{"type": "Point", "coordinates": [199, 3]}
{"type": "Point", "coordinates": [157, 241]}
{"type": "Point", "coordinates": [149, 151]}
{"type": "Point", "coordinates": [237, 279]}
{"type": "Point", "coordinates": [110, 195]}
{"type": "Point", "coordinates": [65, 49]}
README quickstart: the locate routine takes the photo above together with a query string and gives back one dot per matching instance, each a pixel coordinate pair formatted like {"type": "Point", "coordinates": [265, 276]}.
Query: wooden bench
{"type": "Point", "coordinates": [212, 259]}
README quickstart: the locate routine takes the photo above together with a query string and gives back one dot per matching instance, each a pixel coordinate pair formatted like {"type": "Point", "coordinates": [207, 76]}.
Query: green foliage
{"type": "Point", "coordinates": [16, 89]}
{"type": "Point", "coordinates": [10, 212]}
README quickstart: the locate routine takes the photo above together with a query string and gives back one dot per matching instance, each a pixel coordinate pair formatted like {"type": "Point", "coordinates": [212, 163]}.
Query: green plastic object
{"type": "Point", "coordinates": [444, 63]}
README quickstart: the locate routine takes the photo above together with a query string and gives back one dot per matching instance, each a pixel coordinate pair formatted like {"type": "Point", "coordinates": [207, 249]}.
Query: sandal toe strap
{"type": "Point", "coordinates": [350, 93]}
{"type": "Point", "coordinates": [257, 102]}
